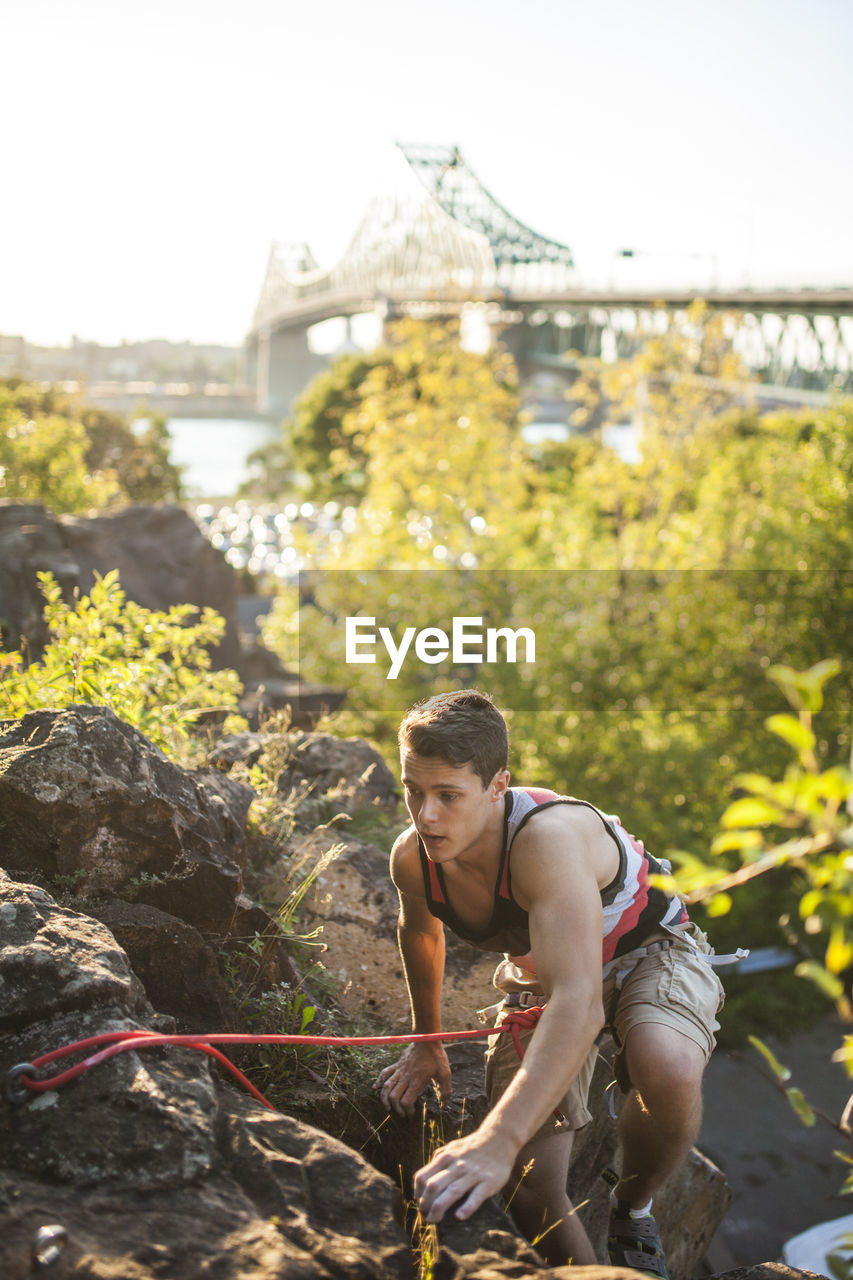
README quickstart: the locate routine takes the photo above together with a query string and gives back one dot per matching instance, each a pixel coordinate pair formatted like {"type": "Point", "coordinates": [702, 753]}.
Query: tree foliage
{"type": "Point", "coordinates": [151, 668]}
{"type": "Point", "coordinates": [419, 431]}
{"type": "Point", "coordinates": [70, 457]}
{"type": "Point", "coordinates": [662, 592]}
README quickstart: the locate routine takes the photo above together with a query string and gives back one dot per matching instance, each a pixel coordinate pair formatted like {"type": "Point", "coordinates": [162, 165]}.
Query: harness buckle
{"type": "Point", "coordinates": [521, 1000]}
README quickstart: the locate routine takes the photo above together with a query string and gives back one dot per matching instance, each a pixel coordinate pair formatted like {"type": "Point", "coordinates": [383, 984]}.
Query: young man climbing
{"type": "Point", "coordinates": [559, 888]}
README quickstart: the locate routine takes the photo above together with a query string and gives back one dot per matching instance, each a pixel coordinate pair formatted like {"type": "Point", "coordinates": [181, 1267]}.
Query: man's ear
{"type": "Point", "coordinates": [499, 783]}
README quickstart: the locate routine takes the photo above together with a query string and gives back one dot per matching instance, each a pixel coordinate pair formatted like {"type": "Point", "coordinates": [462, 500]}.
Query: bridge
{"type": "Point", "coordinates": [443, 245]}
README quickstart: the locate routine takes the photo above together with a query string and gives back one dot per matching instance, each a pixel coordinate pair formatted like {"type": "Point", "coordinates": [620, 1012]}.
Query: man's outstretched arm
{"type": "Point", "coordinates": [564, 906]}
{"type": "Point", "coordinates": [420, 937]}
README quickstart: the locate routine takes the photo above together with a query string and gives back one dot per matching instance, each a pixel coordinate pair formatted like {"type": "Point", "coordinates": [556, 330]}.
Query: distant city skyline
{"type": "Point", "coordinates": [153, 152]}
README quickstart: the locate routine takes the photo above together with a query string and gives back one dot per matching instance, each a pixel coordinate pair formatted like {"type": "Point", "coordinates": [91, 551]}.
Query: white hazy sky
{"type": "Point", "coordinates": [153, 151]}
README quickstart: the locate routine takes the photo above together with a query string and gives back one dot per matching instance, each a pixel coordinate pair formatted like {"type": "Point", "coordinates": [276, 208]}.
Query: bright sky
{"type": "Point", "coordinates": [153, 150]}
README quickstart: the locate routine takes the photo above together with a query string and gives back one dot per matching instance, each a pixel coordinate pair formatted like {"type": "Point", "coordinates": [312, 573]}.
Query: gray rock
{"type": "Point", "coordinates": [31, 542]}
{"type": "Point", "coordinates": [84, 795]}
{"type": "Point", "coordinates": [352, 771]}
{"type": "Point", "coordinates": [178, 969]}
{"type": "Point", "coordinates": [146, 1165]}
{"type": "Point", "coordinates": [39, 979]}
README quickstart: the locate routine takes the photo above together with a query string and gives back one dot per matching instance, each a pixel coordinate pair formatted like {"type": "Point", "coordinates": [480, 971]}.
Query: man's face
{"type": "Point", "coordinates": [448, 804]}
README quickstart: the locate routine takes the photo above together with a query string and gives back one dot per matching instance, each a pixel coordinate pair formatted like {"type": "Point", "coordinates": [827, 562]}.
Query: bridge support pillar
{"type": "Point", "coordinates": [281, 365]}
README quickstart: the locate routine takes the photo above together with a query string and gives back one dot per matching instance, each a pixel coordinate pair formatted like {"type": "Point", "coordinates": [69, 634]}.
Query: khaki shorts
{"type": "Point", "coordinates": [672, 986]}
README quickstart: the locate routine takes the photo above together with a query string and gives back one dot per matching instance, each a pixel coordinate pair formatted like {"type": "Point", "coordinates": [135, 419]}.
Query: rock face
{"type": "Point", "coordinates": [348, 770]}
{"type": "Point", "coordinates": [146, 1166]}
{"type": "Point", "coordinates": [82, 794]}
{"type": "Point", "coordinates": [356, 903]}
{"type": "Point", "coordinates": [87, 799]}
{"type": "Point", "coordinates": [31, 542]}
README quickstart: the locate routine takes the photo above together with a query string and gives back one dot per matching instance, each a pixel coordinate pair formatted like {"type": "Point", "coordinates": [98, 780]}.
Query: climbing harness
{"type": "Point", "coordinates": [22, 1081]}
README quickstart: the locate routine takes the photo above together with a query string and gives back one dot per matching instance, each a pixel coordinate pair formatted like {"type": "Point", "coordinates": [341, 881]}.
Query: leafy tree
{"type": "Point", "coordinates": [44, 460]}
{"type": "Point", "coordinates": [661, 592]}
{"type": "Point", "coordinates": [375, 427]}
{"type": "Point", "coordinates": [316, 441]}
{"type": "Point", "coordinates": [799, 824]}
{"type": "Point", "coordinates": [151, 668]}
{"type": "Point", "coordinates": [70, 457]}
{"type": "Point", "coordinates": [137, 451]}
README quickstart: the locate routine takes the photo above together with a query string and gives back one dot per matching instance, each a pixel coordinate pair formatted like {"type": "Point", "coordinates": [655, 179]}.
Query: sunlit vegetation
{"type": "Point", "coordinates": [662, 592]}
{"type": "Point", "coordinates": [70, 457]}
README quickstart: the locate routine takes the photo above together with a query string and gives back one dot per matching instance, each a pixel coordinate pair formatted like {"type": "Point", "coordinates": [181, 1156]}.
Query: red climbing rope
{"type": "Point", "coordinates": [21, 1078]}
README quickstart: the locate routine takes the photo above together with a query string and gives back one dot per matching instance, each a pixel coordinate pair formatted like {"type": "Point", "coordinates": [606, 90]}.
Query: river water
{"type": "Point", "coordinates": [214, 452]}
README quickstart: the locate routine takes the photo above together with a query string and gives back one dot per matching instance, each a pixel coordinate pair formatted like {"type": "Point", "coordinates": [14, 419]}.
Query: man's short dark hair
{"type": "Point", "coordinates": [462, 727]}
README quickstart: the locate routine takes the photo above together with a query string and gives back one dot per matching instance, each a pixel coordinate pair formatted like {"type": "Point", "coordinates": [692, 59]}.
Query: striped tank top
{"type": "Point", "coordinates": [633, 909]}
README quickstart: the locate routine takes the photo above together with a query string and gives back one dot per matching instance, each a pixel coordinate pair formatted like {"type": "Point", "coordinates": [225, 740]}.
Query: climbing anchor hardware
{"type": "Point", "coordinates": [16, 1090]}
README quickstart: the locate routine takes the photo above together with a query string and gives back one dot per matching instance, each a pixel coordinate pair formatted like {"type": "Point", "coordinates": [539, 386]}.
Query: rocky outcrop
{"type": "Point", "coordinates": [179, 970]}
{"type": "Point", "coordinates": [31, 542]}
{"type": "Point", "coordinates": [89, 804]}
{"type": "Point", "coordinates": [152, 1164]}
{"type": "Point", "coordinates": [86, 796]}
{"type": "Point", "coordinates": [347, 771]}
{"type": "Point", "coordinates": [148, 1166]}
{"type": "Point", "coordinates": [356, 904]}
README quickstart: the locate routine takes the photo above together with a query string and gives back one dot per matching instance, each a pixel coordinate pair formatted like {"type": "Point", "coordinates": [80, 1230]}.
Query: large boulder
{"type": "Point", "coordinates": [89, 805]}
{"type": "Point", "coordinates": [86, 796]}
{"type": "Point", "coordinates": [163, 559]}
{"type": "Point", "coordinates": [181, 973]}
{"type": "Point", "coordinates": [31, 542]}
{"type": "Point", "coordinates": [147, 1165]}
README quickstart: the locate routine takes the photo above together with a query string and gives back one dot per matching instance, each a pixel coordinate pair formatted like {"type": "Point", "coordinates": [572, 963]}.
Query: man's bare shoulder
{"type": "Point", "coordinates": [576, 819]}
{"type": "Point", "coordinates": [564, 839]}
{"type": "Point", "coordinates": [406, 863]}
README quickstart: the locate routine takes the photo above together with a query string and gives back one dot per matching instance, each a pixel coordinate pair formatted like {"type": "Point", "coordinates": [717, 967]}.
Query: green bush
{"type": "Point", "coordinates": [71, 457]}
{"type": "Point", "coordinates": [152, 669]}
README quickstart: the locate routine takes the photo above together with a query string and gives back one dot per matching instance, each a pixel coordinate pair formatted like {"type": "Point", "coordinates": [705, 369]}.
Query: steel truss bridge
{"type": "Point", "coordinates": [443, 245]}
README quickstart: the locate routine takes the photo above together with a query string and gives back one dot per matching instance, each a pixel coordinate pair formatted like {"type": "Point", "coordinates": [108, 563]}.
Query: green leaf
{"type": "Point", "coordinates": [748, 838]}
{"type": "Point", "coordinates": [845, 1055]}
{"type": "Point", "coordinates": [781, 1072]}
{"type": "Point", "coordinates": [828, 983]}
{"type": "Point", "coordinates": [804, 689]}
{"type": "Point", "coordinates": [810, 902]}
{"type": "Point", "coordinates": [840, 1265]}
{"type": "Point", "coordinates": [719, 905]}
{"type": "Point", "coordinates": [839, 952]}
{"type": "Point", "coordinates": [801, 1106]}
{"type": "Point", "coordinates": [750, 812]}
{"type": "Point", "coordinates": [792, 731]}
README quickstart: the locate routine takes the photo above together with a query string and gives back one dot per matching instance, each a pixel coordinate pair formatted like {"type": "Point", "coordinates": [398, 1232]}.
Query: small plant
{"type": "Point", "coordinates": [151, 668]}
{"type": "Point", "coordinates": [803, 821]}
